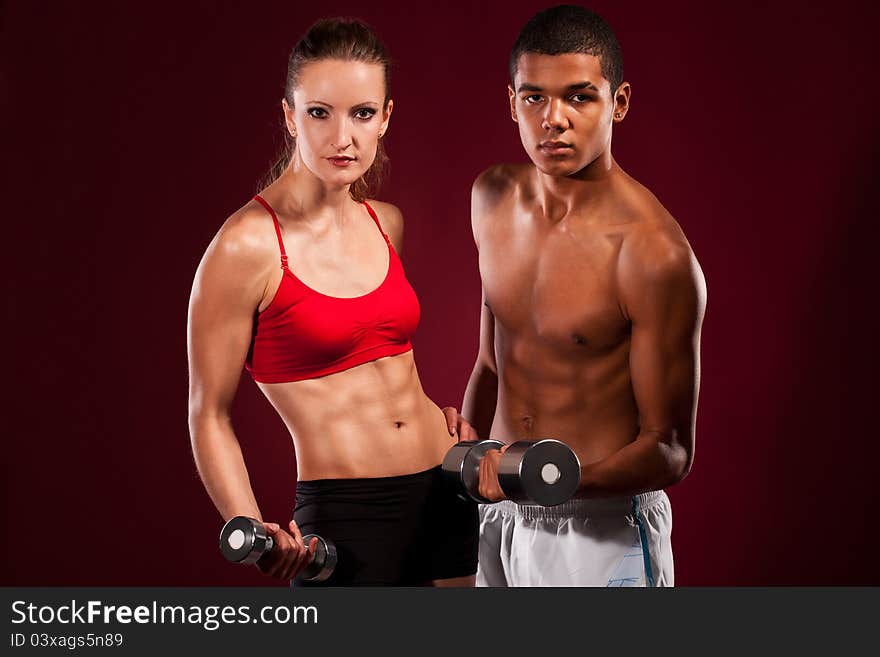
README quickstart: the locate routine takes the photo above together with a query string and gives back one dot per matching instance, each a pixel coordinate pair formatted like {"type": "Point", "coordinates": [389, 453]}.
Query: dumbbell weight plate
{"type": "Point", "coordinates": [244, 540]}
{"type": "Point", "coordinates": [324, 561]}
{"type": "Point", "coordinates": [545, 472]}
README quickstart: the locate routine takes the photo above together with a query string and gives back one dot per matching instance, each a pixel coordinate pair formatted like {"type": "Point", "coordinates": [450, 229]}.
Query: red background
{"type": "Point", "coordinates": [132, 131]}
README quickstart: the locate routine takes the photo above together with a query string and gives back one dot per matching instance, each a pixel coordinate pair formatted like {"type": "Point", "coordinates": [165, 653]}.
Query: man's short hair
{"type": "Point", "coordinates": [571, 29]}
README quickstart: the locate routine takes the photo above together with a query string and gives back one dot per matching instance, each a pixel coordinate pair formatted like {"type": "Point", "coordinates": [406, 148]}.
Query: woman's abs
{"type": "Point", "coordinates": [373, 420]}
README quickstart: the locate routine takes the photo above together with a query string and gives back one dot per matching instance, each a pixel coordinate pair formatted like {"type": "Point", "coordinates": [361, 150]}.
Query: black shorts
{"type": "Point", "coordinates": [390, 531]}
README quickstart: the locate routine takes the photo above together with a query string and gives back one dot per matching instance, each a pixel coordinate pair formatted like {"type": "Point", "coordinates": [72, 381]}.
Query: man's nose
{"type": "Point", "coordinates": [554, 117]}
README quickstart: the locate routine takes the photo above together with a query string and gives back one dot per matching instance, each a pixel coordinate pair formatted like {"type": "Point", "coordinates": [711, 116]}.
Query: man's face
{"type": "Point", "coordinates": [564, 108]}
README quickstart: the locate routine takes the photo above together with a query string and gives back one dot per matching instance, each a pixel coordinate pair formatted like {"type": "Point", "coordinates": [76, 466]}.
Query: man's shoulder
{"type": "Point", "coordinates": [499, 180]}
{"type": "Point", "coordinates": [492, 187]}
{"type": "Point", "coordinates": [655, 244]}
{"type": "Point", "coordinates": [655, 261]}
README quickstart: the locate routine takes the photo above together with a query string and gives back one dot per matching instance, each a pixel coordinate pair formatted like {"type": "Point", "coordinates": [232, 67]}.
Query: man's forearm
{"type": "Point", "coordinates": [651, 462]}
{"type": "Point", "coordinates": [480, 398]}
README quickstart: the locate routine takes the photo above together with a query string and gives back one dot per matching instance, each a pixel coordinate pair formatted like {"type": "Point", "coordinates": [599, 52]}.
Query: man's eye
{"type": "Point", "coordinates": [534, 98]}
{"type": "Point", "coordinates": [317, 112]}
{"type": "Point", "coordinates": [581, 98]}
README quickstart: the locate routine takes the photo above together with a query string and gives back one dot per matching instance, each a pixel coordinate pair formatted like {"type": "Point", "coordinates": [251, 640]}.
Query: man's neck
{"type": "Point", "coordinates": [558, 196]}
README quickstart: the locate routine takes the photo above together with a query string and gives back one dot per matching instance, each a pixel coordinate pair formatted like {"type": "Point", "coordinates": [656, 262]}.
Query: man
{"type": "Point", "coordinates": [590, 326]}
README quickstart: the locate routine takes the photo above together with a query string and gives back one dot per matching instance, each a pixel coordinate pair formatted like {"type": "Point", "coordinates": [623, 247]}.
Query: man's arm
{"type": "Point", "coordinates": [481, 394]}
{"type": "Point", "coordinates": [663, 293]}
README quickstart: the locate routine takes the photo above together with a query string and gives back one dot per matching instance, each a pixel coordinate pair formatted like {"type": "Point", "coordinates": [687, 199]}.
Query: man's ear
{"type": "Point", "coordinates": [621, 102]}
{"type": "Point", "coordinates": [511, 94]}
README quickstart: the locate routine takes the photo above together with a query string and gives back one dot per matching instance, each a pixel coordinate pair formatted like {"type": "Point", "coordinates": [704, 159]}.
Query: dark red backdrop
{"type": "Point", "coordinates": [131, 132]}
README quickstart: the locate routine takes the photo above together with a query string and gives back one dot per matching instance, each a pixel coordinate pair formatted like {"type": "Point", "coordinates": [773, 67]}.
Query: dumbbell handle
{"type": "Point", "coordinates": [270, 544]}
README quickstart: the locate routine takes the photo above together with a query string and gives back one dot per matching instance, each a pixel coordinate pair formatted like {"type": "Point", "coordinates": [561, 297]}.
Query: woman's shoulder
{"type": "Point", "coordinates": [390, 219]}
{"type": "Point", "coordinates": [246, 238]}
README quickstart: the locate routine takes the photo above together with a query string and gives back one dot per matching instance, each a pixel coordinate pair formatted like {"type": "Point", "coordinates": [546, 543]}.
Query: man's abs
{"type": "Point", "coordinates": [586, 402]}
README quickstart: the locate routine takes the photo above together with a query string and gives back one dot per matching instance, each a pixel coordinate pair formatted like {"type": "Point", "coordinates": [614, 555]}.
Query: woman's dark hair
{"type": "Point", "coordinates": [336, 38]}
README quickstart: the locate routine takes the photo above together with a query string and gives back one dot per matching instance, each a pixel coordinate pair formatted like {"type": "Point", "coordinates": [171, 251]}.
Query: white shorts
{"type": "Point", "coordinates": [587, 542]}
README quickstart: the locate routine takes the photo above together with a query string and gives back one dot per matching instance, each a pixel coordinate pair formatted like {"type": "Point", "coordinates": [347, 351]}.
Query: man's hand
{"type": "Point", "coordinates": [489, 487]}
{"type": "Point", "coordinates": [458, 426]}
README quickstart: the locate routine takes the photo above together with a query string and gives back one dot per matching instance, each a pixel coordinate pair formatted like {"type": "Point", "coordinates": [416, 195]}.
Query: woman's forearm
{"type": "Point", "coordinates": [221, 467]}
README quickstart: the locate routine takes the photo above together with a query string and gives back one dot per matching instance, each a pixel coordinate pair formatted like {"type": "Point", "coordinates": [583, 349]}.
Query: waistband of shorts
{"type": "Point", "coordinates": [318, 485]}
{"type": "Point", "coordinates": [581, 508]}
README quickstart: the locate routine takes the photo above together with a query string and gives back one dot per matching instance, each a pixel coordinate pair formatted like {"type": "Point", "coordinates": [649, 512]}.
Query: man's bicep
{"type": "Point", "coordinates": [666, 314]}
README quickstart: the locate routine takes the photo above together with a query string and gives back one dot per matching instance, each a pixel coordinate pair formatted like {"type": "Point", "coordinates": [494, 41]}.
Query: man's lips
{"type": "Point", "coordinates": [555, 147]}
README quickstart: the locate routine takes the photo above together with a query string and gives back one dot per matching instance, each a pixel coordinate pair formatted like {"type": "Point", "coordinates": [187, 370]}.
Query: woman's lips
{"type": "Point", "coordinates": [341, 161]}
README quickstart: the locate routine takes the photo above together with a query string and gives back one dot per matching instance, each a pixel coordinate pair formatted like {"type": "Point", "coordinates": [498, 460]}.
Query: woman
{"type": "Point", "coordinates": [303, 286]}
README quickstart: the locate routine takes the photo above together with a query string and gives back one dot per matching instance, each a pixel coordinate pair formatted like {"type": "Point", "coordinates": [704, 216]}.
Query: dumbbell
{"type": "Point", "coordinates": [544, 472]}
{"type": "Point", "coordinates": [245, 540]}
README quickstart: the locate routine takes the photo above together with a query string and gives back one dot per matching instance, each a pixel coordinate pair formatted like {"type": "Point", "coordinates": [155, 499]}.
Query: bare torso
{"type": "Point", "coordinates": [562, 336]}
{"type": "Point", "coordinates": [372, 420]}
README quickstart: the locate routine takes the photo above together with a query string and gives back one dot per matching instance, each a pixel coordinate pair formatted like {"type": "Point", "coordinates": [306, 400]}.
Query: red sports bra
{"type": "Point", "coordinates": [304, 334]}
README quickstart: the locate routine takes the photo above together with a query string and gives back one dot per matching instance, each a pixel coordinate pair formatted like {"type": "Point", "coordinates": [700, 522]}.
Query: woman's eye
{"type": "Point", "coordinates": [365, 114]}
{"type": "Point", "coordinates": [316, 112]}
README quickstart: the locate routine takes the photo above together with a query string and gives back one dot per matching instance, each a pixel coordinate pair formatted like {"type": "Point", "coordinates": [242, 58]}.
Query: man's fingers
{"type": "Point", "coordinates": [488, 481]}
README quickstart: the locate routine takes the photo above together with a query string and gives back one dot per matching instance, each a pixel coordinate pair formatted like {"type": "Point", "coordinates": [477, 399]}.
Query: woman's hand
{"type": "Point", "coordinates": [289, 555]}
{"type": "Point", "coordinates": [458, 426]}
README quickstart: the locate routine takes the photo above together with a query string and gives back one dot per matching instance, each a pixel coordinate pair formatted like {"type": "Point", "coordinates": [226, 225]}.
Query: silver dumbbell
{"type": "Point", "coordinates": [544, 472]}
{"type": "Point", "coordinates": [245, 540]}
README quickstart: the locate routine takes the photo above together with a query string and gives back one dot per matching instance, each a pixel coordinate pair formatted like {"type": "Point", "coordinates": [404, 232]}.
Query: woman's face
{"type": "Point", "coordinates": [337, 117]}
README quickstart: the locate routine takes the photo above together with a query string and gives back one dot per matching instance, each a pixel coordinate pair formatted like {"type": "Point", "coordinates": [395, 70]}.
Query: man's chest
{"type": "Point", "coordinates": [556, 286]}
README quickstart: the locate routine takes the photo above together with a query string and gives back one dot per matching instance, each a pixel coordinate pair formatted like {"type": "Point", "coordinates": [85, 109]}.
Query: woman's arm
{"type": "Point", "coordinates": [229, 285]}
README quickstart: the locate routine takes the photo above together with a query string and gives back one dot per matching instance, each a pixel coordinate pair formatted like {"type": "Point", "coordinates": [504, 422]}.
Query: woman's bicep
{"type": "Point", "coordinates": [226, 293]}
